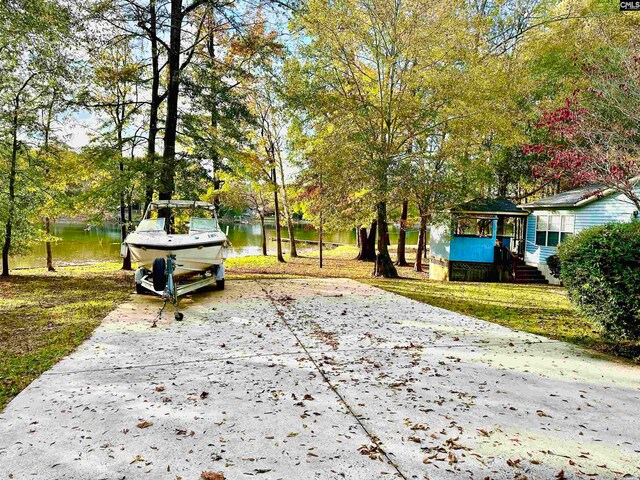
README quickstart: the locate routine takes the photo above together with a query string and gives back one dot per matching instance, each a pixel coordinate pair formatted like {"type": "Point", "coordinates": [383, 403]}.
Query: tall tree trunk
{"type": "Point", "coordinates": [214, 113]}
{"type": "Point", "coordinates": [47, 220]}
{"type": "Point", "coordinates": [425, 244]}
{"type": "Point", "coordinates": [12, 178]}
{"type": "Point", "coordinates": [293, 251]}
{"type": "Point", "coordinates": [12, 192]}
{"type": "Point", "coordinates": [384, 265]}
{"type": "Point", "coordinates": [401, 260]}
{"type": "Point", "coordinates": [277, 214]}
{"type": "Point", "coordinates": [264, 235]}
{"type": "Point", "coordinates": [320, 240]}
{"type": "Point", "coordinates": [361, 234]}
{"type": "Point", "coordinates": [154, 106]}
{"type": "Point", "coordinates": [129, 209]}
{"type": "Point", "coordinates": [47, 244]}
{"type": "Point", "coordinates": [167, 171]}
{"type": "Point", "coordinates": [321, 224]}
{"type": "Point", "coordinates": [126, 260]}
{"type": "Point", "coordinates": [421, 241]}
{"type": "Point", "coordinates": [368, 243]}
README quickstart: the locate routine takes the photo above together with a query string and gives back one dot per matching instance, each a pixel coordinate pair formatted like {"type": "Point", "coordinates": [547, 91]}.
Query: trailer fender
{"type": "Point", "coordinates": [220, 272]}
{"type": "Point", "coordinates": [139, 275]}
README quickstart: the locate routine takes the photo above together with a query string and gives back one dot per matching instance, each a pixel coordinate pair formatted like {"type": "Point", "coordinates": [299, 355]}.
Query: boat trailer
{"type": "Point", "coordinates": [160, 281]}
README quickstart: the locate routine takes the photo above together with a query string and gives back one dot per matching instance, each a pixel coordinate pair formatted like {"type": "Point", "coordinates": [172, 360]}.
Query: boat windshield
{"type": "Point", "coordinates": [151, 225]}
{"type": "Point", "coordinates": [203, 224]}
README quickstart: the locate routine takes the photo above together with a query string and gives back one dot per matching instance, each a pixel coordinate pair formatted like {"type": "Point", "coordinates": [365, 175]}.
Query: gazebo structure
{"type": "Point", "coordinates": [484, 241]}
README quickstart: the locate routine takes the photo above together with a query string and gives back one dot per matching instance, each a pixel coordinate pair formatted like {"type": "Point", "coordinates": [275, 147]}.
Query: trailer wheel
{"type": "Point", "coordinates": [220, 284]}
{"type": "Point", "coordinates": [158, 274]}
{"type": "Point", "coordinates": [140, 290]}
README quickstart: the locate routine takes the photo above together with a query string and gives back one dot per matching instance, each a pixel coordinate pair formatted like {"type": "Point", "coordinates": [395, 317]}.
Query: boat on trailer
{"type": "Point", "coordinates": [177, 253]}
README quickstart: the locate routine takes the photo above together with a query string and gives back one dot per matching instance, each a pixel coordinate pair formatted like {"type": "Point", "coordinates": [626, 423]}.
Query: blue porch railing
{"type": "Point", "coordinates": [470, 248]}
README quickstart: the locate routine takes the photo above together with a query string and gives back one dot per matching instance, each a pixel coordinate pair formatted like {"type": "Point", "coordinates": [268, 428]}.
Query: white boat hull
{"type": "Point", "coordinates": [192, 253]}
{"type": "Point", "coordinates": [187, 260]}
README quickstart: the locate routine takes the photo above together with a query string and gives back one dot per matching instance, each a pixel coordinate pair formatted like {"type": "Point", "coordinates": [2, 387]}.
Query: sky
{"type": "Point", "coordinates": [76, 128]}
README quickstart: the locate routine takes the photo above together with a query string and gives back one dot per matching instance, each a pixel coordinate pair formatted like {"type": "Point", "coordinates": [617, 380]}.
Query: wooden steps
{"type": "Point", "coordinates": [528, 274]}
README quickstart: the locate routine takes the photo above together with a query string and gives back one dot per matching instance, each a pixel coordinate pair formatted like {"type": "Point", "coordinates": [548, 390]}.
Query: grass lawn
{"type": "Point", "coordinates": [44, 316]}
{"type": "Point", "coordinates": [337, 262]}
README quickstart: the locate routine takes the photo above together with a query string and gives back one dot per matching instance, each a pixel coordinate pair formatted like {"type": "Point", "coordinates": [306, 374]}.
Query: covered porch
{"type": "Point", "coordinates": [484, 242]}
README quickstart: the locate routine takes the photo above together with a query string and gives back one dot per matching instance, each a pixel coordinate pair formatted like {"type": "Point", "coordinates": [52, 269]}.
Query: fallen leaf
{"type": "Point", "coordinates": [144, 424]}
{"type": "Point", "coordinates": [419, 426]}
{"type": "Point", "coordinates": [211, 476]}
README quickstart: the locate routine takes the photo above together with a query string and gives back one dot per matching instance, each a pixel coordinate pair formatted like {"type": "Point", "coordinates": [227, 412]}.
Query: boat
{"type": "Point", "coordinates": [172, 240]}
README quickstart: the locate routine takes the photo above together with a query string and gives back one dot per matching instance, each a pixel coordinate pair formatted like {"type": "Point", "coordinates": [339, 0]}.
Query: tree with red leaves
{"type": "Point", "coordinates": [594, 137]}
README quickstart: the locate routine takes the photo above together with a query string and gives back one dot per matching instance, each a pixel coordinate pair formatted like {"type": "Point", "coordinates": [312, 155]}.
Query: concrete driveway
{"type": "Point", "coordinates": [303, 379]}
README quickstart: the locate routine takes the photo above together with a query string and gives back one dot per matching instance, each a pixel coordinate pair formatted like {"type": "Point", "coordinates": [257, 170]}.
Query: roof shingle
{"type": "Point", "coordinates": [488, 205]}
{"type": "Point", "coordinates": [566, 199]}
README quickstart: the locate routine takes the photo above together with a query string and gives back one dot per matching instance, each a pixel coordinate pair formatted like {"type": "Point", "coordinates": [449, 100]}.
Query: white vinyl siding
{"type": "Point", "coordinates": [614, 208]}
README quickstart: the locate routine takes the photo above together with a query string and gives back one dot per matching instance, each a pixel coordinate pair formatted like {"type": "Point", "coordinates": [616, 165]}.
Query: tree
{"type": "Point", "coordinates": [16, 122]}
{"type": "Point", "coordinates": [323, 150]}
{"type": "Point", "coordinates": [224, 70]}
{"type": "Point", "coordinates": [32, 54]}
{"type": "Point", "coordinates": [401, 260]}
{"type": "Point", "coordinates": [255, 195]}
{"type": "Point", "coordinates": [60, 173]}
{"type": "Point", "coordinates": [179, 15]}
{"type": "Point", "coordinates": [115, 93]}
{"type": "Point", "coordinates": [381, 66]}
{"type": "Point", "coordinates": [594, 137]}
{"type": "Point", "coordinates": [143, 23]}
{"type": "Point", "coordinates": [271, 130]}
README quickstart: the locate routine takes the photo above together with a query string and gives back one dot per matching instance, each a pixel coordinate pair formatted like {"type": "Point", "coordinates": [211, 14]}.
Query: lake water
{"type": "Point", "coordinates": [79, 244]}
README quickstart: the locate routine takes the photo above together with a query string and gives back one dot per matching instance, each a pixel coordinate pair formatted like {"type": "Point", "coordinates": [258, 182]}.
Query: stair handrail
{"type": "Point", "coordinates": [508, 259]}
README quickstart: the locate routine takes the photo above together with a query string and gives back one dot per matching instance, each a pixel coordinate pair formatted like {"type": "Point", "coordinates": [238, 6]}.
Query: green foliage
{"type": "Point", "coordinates": [601, 270]}
{"type": "Point", "coordinates": [555, 266]}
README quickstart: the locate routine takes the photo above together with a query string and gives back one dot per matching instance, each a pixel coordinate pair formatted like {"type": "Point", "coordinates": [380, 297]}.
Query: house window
{"type": "Point", "coordinates": [551, 230]}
